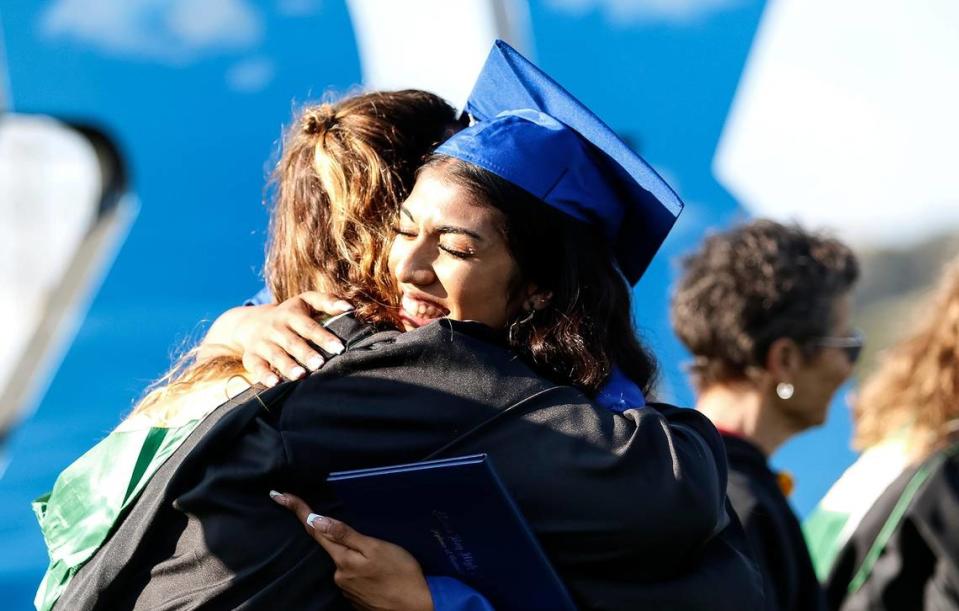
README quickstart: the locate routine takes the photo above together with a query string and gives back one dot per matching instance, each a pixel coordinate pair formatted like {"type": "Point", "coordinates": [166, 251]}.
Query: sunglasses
{"type": "Point", "coordinates": [851, 344]}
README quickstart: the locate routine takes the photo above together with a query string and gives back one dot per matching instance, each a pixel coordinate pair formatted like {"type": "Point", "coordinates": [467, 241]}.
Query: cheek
{"type": "Point", "coordinates": [393, 257]}
{"type": "Point", "coordinates": [465, 284]}
{"type": "Point", "coordinates": [832, 376]}
{"type": "Point", "coordinates": [479, 293]}
{"type": "Point", "coordinates": [842, 369]}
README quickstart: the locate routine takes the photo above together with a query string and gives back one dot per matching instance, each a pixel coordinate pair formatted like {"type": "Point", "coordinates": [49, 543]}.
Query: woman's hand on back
{"type": "Point", "coordinates": [276, 338]}
{"type": "Point", "coordinates": [372, 573]}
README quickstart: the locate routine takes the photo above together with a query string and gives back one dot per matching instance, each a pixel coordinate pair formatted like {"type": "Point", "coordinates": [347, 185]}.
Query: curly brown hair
{"type": "Point", "coordinates": [916, 388]}
{"type": "Point", "coordinates": [751, 285]}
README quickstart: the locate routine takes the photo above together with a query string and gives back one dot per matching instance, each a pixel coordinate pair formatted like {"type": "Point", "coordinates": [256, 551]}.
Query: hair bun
{"type": "Point", "coordinates": [319, 120]}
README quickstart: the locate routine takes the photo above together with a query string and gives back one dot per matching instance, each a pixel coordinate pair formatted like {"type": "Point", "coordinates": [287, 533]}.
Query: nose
{"type": "Point", "coordinates": [415, 264]}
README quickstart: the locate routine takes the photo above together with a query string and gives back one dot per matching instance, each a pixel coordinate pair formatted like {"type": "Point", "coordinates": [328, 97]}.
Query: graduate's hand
{"type": "Point", "coordinates": [373, 574]}
{"type": "Point", "coordinates": [275, 338]}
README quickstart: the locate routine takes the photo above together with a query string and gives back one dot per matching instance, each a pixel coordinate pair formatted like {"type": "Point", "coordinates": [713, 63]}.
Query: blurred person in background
{"type": "Point", "coordinates": [764, 308]}
{"type": "Point", "coordinates": [901, 549]}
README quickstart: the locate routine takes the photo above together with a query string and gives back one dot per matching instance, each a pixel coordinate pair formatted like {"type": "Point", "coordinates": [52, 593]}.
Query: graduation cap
{"type": "Point", "coordinates": [532, 132]}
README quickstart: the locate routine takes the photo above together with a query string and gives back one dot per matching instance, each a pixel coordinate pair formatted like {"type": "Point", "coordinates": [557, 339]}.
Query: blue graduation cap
{"type": "Point", "coordinates": [533, 133]}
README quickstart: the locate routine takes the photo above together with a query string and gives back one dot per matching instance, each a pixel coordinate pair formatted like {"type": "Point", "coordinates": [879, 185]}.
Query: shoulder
{"type": "Point", "coordinates": [691, 419]}
{"type": "Point", "coordinates": [445, 344]}
{"type": "Point", "coordinates": [942, 471]}
{"type": "Point", "coordinates": [450, 372]}
{"type": "Point", "coordinates": [695, 428]}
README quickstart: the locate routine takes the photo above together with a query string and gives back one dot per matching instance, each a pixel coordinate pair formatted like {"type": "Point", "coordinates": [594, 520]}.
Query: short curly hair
{"type": "Point", "coordinates": [751, 285]}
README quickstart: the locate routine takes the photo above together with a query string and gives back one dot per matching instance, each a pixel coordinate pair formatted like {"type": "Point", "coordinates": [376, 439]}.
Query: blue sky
{"type": "Point", "coordinates": [197, 111]}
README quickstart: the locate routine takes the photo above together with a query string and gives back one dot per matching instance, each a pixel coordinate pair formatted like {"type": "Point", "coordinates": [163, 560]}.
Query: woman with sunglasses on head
{"type": "Point", "coordinates": [764, 309]}
{"type": "Point", "coordinates": [899, 548]}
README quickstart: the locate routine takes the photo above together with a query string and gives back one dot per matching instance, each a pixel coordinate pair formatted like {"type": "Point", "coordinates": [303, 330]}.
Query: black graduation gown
{"type": "Point", "coordinates": [630, 508]}
{"type": "Point", "coordinates": [772, 529]}
{"type": "Point", "coordinates": [918, 566]}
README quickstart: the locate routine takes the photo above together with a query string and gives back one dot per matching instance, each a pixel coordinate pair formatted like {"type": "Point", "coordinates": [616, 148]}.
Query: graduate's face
{"type": "Point", "coordinates": [450, 257]}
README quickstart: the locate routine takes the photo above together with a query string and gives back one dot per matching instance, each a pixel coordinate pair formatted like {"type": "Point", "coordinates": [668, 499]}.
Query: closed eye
{"type": "Point", "coordinates": [459, 254]}
{"type": "Point", "coordinates": [409, 233]}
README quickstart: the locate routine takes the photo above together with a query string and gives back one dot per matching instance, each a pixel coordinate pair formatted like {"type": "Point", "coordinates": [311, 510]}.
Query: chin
{"type": "Point", "coordinates": [818, 417]}
{"type": "Point", "coordinates": [804, 419]}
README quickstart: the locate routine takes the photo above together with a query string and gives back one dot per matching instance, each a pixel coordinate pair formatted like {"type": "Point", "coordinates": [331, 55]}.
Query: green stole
{"type": "Point", "coordinates": [92, 494]}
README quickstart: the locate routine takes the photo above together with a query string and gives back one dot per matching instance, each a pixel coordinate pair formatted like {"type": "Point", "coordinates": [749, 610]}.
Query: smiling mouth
{"type": "Point", "coordinates": [420, 312]}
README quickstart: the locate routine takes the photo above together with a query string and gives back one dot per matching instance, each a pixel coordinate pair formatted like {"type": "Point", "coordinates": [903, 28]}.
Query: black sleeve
{"type": "Point", "coordinates": [641, 492]}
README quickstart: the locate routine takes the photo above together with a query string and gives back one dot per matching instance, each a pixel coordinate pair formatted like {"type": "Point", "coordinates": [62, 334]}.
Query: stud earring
{"type": "Point", "coordinates": [785, 390]}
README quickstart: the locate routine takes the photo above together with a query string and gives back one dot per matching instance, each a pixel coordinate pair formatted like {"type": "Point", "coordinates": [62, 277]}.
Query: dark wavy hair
{"type": "Point", "coordinates": [587, 326]}
{"type": "Point", "coordinates": [749, 286]}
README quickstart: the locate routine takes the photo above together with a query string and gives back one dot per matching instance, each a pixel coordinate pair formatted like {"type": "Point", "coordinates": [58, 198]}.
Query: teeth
{"type": "Point", "coordinates": [420, 309]}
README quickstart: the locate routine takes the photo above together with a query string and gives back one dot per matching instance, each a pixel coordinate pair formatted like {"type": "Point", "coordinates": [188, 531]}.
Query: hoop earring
{"type": "Point", "coordinates": [517, 323]}
{"type": "Point", "coordinates": [785, 390]}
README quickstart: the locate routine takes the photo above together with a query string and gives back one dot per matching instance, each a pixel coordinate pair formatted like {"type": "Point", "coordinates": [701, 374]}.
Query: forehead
{"type": "Point", "coordinates": [440, 201]}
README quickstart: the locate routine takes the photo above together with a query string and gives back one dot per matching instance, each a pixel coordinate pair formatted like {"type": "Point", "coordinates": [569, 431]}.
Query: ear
{"type": "Point", "coordinates": [783, 360]}
{"type": "Point", "coordinates": [536, 299]}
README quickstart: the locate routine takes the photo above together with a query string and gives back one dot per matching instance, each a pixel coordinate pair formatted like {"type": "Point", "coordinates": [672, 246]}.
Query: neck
{"type": "Point", "coordinates": [740, 408]}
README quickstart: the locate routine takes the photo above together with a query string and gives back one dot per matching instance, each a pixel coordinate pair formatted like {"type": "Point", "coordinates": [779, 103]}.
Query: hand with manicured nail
{"type": "Point", "coordinates": [274, 339]}
{"type": "Point", "coordinates": [373, 574]}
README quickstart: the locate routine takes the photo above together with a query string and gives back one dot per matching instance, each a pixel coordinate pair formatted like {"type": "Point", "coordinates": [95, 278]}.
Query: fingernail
{"type": "Point", "coordinates": [334, 348]}
{"type": "Point", "coordinates": [279, 497]}
{"type": "Point", "coordinates": [296, 373]}
{"type": "Point", "coordinates": [318, 522]}
{"type": "Point", "coordinates": [343, 306]}
{"type": "Point", "coordinates": [271, 380]}
{"type": "Point", "coordinates": [315, 362]}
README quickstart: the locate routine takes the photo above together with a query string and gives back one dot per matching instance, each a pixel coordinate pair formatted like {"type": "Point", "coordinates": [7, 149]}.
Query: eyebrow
{"type": "Point", "coordinates": [459, 230]}
{"type": "Point", "coordinates": [445, 229]}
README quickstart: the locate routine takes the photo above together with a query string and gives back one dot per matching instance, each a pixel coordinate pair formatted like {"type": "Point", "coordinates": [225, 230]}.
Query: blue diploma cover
{"type": "Point", "coordinates": [457, 519]}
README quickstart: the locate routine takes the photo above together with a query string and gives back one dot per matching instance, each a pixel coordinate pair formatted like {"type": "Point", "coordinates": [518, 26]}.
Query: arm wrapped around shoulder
{"type": "Point", "coordinates": [667, 481]}
{"type": "Point", "coordinates": [699, 472]}
{"type": "Point", "coordinates": [630, 507]}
